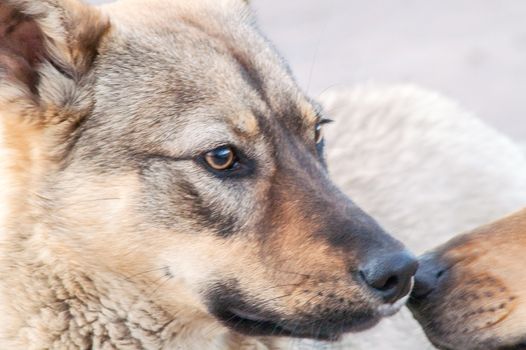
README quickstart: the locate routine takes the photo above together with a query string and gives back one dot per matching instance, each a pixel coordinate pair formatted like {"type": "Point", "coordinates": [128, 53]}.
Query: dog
{"type": "Point", "coordinates": [166, 187]}
{"type": "Point", "coordinates": [426, 169]}
{"type": "Point", "coordinates": [471, 291]}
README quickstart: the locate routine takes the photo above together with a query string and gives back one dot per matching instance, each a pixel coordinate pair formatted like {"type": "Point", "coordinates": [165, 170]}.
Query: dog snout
{"type": "Point", "coordinates": [390, 275]}
{"type": "Point", "coordinates": [430, 271]}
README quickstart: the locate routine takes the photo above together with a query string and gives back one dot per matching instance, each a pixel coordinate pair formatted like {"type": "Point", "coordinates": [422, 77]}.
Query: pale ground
{"type": "Point", "coordinates": [472, 50]}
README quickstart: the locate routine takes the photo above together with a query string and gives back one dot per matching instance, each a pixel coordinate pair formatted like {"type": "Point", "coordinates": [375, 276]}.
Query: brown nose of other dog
{"type": "Point", "coordinates": [389, 275]}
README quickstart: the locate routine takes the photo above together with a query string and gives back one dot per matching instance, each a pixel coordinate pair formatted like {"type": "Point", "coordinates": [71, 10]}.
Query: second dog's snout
{"type": "Point", "coordinates": [389, 275]}
{"type": "Point", "coordinates": [428, 275]}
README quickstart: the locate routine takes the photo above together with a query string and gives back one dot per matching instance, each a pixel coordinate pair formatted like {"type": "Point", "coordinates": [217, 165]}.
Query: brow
{"type": "Point", "coordinates": [317, 111]}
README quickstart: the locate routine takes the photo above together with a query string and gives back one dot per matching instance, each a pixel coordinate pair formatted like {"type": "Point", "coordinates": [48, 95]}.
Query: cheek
{"type": "Point", "coordinates": [198, 260]}
{"type": "Point", "coordinates": [97, 204]}
{"type": "Point", "coordinates": [106, 208]}
{"type": "Point", "coordinates": [510, 269]}
{"type": "Point", "coordinates": [185, 198]}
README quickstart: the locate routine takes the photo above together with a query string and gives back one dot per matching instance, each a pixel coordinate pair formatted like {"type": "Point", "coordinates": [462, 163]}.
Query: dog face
{"type": "Point", "coordinates": [173, 147]}
{"type": "Point", "coordinates": [470, 293]}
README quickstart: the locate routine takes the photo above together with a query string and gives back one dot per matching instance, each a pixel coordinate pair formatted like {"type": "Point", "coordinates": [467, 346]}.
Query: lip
{"type": "Point", "coordinates": [243, 315]}
{"type": "Point", "coordinates": [257, 324]}
{"type": "Point", "coordinates": [252, 323]}
{"type": "Point", "coordinates": [387, 310]}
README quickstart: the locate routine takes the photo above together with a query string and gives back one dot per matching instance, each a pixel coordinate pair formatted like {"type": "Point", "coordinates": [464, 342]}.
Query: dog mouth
{"type": "Point", "coordinates": [258, 324]}
{"type": "Point", "coordinates": [252, 323]}
{"type": "Point", "coordinates": [463, 310]}
{"type": "Point", "coordinates": [326, 322]}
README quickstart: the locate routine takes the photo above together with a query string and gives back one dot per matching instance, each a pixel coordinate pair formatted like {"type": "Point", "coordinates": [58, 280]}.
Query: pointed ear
{"type": "Point", "coordinates": [40, 39]}
{"type": "Point", "coordinates": [47, 50]}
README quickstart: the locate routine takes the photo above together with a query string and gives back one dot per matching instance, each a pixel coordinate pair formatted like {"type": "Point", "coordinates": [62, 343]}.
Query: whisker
{"type": "Point", "coordinates": [310, 299]}
{"type": "Point", "coordinates": [294, 331]}
{"type": "Point", "coordinates": [295, 273]}
{"type": "Point", "coordinates": [87, 201]}
{"type": "Point", "coordinates": [274, 329]}
{"type": "Point", "coordinates": [217, 325]}
{"type": "Point", "coordinates": [330, 87]}
{"type": "Point", "coordinates": [267, 301]}
{"type": "Point", "coordinates": [341, 331]}
{"type": "Point", "coordinates": [159, 285]}
{"type": "Point", "coordinates": [280, 286]}
{"type": "Point", "coordinates": [318, 332]}
{"type": "Point", "coordinates": [315, 56]}
{"type": "Point", "coordinates": [128, 278]}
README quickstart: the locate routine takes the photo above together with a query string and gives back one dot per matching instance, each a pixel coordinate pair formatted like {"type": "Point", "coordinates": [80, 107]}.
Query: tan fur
{"type": "Point", "coordinates": [117, 235]}
{"type": "Point", "coordinates": [480, 302]}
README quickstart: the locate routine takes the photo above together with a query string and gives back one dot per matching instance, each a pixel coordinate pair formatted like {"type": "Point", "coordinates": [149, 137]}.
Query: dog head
{"type": "Point", "coordinates": [470, 293]}
{"type": "Point", "coordinates": [168, 143]}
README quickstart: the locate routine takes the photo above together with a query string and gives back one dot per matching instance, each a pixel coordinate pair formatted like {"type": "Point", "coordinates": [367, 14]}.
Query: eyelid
{"type": "Point", "coordinates": [324, 121]}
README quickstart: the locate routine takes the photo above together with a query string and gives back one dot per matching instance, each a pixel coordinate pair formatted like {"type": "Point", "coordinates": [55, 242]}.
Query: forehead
{"type": "Point", "coordinates": [170, 66]}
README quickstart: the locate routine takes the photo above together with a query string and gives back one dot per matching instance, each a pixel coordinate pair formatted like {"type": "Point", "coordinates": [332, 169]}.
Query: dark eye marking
{"type": "Point", "coordinates": [205, 212]}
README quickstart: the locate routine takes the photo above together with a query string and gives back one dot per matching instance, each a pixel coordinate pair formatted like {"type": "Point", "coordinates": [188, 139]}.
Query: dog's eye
{"type": "Point", "coordinates": [221, 158]}
{"type": "Point", "coordinates": [318, 131]}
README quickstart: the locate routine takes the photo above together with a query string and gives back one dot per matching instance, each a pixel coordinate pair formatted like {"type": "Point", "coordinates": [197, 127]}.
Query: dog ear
{"type": "Point", "coordinates": [47, 50]}
{"type": "Point", "coordinates": [46, 47]}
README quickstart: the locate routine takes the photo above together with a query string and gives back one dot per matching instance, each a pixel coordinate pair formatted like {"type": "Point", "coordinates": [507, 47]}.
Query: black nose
{"type": "Point", "coordinates": [427, 276]}
{"type": "Point", "coordinates": [389, 276]}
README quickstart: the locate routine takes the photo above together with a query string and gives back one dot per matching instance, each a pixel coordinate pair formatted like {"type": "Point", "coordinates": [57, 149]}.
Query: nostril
{"type": "Point", "coordinates": [389, 276]}
{"type": "Point", "coordinates": [391, 283]}
{"type": "Point", "coordinates": [381, 284]}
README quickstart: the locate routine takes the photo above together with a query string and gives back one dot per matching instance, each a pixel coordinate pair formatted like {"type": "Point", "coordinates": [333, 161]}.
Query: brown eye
{"type": "Point", "coordinates": [318, 133]}
{"type": "Point", "coordinates": [221, 158]}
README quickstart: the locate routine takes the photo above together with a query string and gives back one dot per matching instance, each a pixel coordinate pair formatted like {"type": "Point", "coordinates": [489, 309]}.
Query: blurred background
{"type": "Point", "coordinates": [473, 51]}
